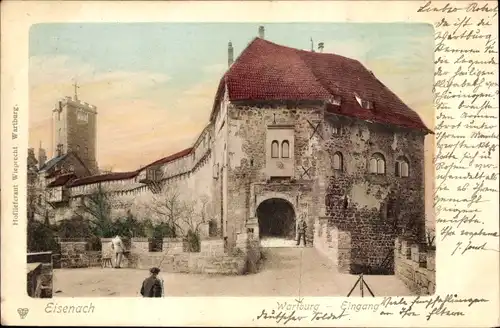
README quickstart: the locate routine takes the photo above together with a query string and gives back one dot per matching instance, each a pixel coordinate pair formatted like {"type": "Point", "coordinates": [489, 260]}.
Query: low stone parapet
{"type": "Point", "coordinates": [40, 275]}
{"type": "Point", "coordinates": [34, 271]}
{"type": "Point", "coordinates": [212, 257]}
{"type": "Point", "coordinates": [414, 264]}
{"type": "Point", "coordinates": [335, 244]}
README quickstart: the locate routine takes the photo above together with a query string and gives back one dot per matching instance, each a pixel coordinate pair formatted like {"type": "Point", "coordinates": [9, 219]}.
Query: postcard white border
{"type": "Point", "coordinates": [468, 277]}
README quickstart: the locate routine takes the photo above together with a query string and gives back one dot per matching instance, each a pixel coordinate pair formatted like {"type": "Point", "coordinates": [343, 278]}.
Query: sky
{"type": "Point", "coordinates": [154, 83]}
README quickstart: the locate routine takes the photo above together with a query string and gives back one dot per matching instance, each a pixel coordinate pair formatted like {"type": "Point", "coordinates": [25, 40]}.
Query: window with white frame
{"type": "Point", "coordinates": [336, 130]}
{"type": "Point", "coordinates": [402, 167]}
{"type": "Point", "coordinates": [82, 116]}
{"type": "Point", "coordinates": [275, 149]}
{"type": "Point", "coordinates": [335, 100]}
{"type": "Point", "coordinates": [285, 149]}
{"type": "Point", "coordinates": [338, 161]}
{"type": "Point", "coordinates": [377, 164]}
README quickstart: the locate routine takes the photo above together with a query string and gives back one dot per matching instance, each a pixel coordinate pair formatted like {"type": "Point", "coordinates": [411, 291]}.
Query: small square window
{"type": "Point", "coordinates": [335, 100]}
{"type": "Point", "coordinates": [366, 104]}
{"type": "Point", "coordinates": [82, 116]}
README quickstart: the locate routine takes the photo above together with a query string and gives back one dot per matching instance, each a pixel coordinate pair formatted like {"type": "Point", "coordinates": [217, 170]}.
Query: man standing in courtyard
{"type": "Point", "coordinates": [301, 229]}
{"type": "Point", "coordinates": [117, 246]}
{"type": "Point", "coordinates": [153, 285]}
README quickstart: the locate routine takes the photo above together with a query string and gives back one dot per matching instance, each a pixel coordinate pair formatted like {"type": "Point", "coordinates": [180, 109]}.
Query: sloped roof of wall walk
{"type": "Point", "coordinates": [115, 176]}
{"type": "Point", "coordinates": [61, 180]}
{"type": "Point", "coordinates": [266, 71]}
{"type": "Point", "coordinates": [169, 158]}
{"type": "Point", "coordinates": [103, 177]}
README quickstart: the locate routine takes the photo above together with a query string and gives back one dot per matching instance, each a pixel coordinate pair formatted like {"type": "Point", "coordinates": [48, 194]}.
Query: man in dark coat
{"type": "Point", "coordinates": [301, 230]}
{"type": "Point", "coordinates": [152, 286]}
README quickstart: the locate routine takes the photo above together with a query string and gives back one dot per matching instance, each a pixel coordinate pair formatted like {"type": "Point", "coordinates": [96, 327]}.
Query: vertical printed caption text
{"type": "Point", "coordinates": [15, 166]}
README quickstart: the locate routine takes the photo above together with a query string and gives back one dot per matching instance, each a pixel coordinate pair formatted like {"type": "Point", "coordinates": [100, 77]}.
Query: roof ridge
{"type": "Point", "coordinates": [320, 81]}
{"type": "Point", "coordinates": [267, 71]}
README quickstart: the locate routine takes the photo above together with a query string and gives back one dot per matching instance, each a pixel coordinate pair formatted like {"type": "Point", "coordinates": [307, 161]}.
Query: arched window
{"type": "Point", "coordinates": [402, 167]}
{"type": "Point", "coordinates": [373, 165]}
{"type": "Point", "coordinates": [338, 161]}
{"type": "Point", "coordinates": [285, 149]}
{"type": "Point", "coordinates": [377, 164]}
{"type": "Point", "coordinates": [275, 149]}
{"type": "Point", "coordinates": [345, 202]}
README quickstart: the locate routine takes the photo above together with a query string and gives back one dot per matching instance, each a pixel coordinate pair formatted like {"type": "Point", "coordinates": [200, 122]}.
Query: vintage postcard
{"type": "Point", "coordinates": [169, 163]}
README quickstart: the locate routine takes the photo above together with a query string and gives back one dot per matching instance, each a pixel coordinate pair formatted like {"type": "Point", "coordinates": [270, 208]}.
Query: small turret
{"type": "Point", "coordinates": [261, 32]}
{"type": "Point", "coordinates": [230, 54]}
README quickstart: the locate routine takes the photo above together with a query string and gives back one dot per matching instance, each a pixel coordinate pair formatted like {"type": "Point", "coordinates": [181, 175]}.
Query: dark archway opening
{"type": "Point", "coordinates": [276, 219]}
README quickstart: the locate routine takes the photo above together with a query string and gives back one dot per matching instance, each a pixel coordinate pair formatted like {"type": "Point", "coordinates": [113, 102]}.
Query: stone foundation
{"type": "Point", "coordinates": [212, 257]}
{"type": "Point", "coordinates": [333, 243]}
{"type": "Point", "coordinates": [76, 254]}
{"type": "Point", "coordinates": [40, 275]}
{"type": "Point", "coordinates": [415, 266]}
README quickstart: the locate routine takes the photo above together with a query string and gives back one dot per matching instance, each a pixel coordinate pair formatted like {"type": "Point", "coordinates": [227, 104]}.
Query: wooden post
{"type": "Point", "coordinates": [357, 281]}
{"type": "Point", "coordinates": [368, 287]}
{"type": "Point", "coordinates": [362, 283]}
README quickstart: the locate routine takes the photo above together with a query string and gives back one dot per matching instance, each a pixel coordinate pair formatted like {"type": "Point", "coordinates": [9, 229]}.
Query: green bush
{"type": "Point", "coordinates": [129, 227]}
{"type": "Point", "coordinates": [94, 244]}
{"type": "Point", "coordinates": [41, 238]}
{"type": "Point", "coordinates": [164, 230]}
{"type": "Point", "coordinates": [75, 227]}
{"type": "Point", "coordinates": [192, 241]}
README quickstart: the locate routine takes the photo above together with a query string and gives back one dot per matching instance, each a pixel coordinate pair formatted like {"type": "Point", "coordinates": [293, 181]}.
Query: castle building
{"type": "Point", "coordinates": [292, 133]}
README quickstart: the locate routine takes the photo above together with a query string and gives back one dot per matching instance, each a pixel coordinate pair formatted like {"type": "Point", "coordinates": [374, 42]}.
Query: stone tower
{"type": "Point", "coordinates": [75, 130]}
{"type": "Point", "coordinates": [42, 156]}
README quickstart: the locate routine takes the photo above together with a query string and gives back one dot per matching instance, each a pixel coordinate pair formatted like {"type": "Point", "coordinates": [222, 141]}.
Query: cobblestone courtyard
{"type": "Point", "coordinates": [284, 272]}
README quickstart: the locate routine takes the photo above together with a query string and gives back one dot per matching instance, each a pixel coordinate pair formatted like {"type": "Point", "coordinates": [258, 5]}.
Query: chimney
{"type": "Point", "coordinates": [261, 32]}
{"type": "Point", "coordinates": [230, 54]}
{"type": "Point", "coordinates": [42, 156]}
{"type": "Point", "coordinates": [321, 46]}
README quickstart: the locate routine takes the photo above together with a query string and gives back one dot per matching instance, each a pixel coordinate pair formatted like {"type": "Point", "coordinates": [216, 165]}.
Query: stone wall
{"type": "Point", "coordinates": [33, 281]}
{"type": "Point", "coordinates": [333, 243]}
{"type": "Point", "coordinates": [212, 257]}
{"type": "Point", "coordinates": [373, 208]}
{"type": "Point", "coordinates": [40, 275]}
{"type": "Point", "coordinates": [76, 254]}
{"type": "Point", "coordinates": [415, 266]}
{"type": "Point", "coordinates": [247, 152]}
{"type": "Point", "coordinates": [191, 176]}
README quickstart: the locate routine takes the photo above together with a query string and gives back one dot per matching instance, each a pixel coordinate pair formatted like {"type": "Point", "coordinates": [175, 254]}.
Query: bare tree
{"type": "Point", "coordinates": [167, 206]}
{"type": "Point", "coordinates": [185, 215]}
{"type": "Point", "coordinates": [95, 208]}
{"type": "Point", "coordinates": [199, 213]}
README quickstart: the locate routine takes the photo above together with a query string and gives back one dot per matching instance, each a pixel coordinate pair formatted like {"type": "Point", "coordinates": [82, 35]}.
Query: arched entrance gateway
{"type": "Point", "coordinates": [276, 219]}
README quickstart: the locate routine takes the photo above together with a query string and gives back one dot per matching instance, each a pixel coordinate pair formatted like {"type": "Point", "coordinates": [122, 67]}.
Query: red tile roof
{"type": "Point", "coordinates": [103, 177]}
{"type": "Point", "coordinates": [127, 175]}
{"type": "Point", "coordinates": [169, 158]}
{"type": "Point", "coordinates": [61, 180]}
{"type": "Point", "coordinates": [266, 71]}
